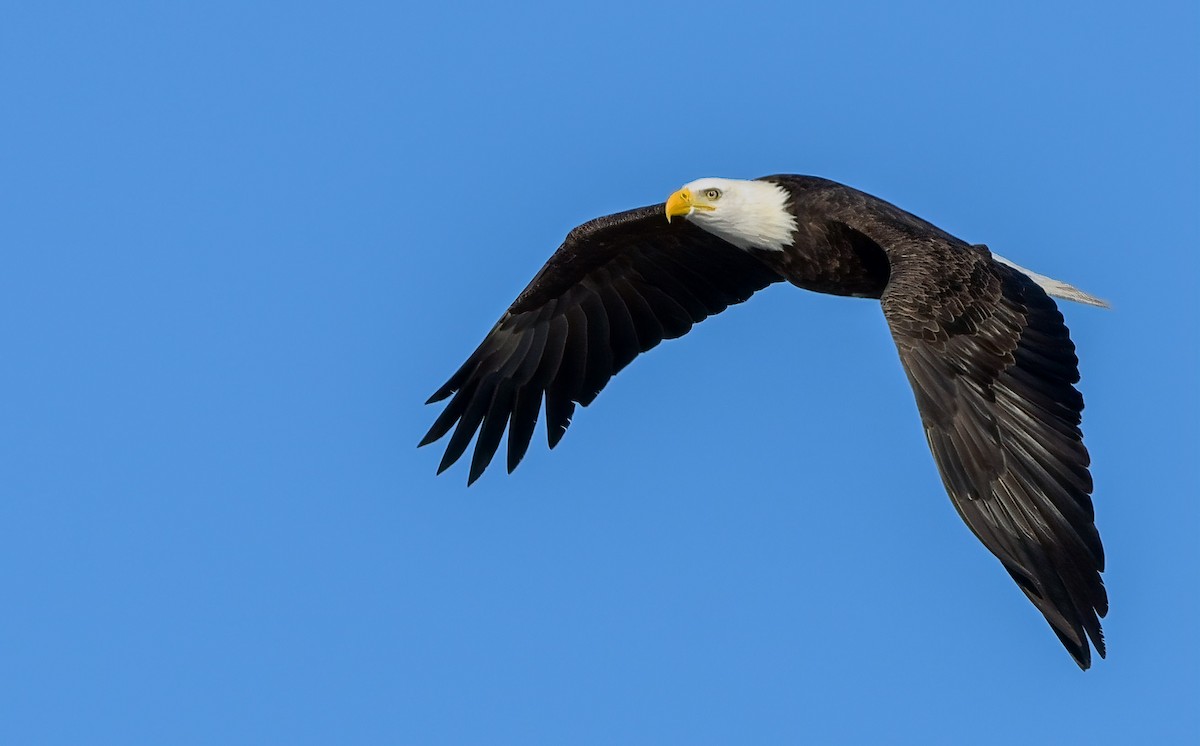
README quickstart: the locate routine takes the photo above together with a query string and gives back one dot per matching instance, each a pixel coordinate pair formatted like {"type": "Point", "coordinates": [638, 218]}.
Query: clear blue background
{"type": "Point", "coordinates": [243, 242]}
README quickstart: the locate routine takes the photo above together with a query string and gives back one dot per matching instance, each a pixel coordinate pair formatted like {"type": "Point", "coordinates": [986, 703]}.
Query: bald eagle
{"type": "Point", "coordinates": [985, 349]}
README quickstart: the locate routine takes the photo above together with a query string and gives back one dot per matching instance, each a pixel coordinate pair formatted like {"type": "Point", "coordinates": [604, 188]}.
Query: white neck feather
{"type": "Point", "coordinates": [749, 214]}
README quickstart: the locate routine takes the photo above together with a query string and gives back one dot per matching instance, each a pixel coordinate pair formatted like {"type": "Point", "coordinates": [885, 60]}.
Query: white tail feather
{"type": "Point", "coordinates": [1056, 288]}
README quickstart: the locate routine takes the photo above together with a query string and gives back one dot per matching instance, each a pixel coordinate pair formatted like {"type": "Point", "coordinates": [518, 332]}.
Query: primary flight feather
{"type": "Point", "coordinates": [985, 349]}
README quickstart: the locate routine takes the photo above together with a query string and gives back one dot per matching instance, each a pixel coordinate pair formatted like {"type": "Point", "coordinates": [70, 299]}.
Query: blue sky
{"type": "Point", "coordinates": [243, 242]}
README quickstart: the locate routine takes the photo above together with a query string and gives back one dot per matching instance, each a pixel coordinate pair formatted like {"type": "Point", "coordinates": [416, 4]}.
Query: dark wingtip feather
{"type": "Point", "coordinates": [1082, 654]}
{"type": "Point", "coordinates": [446, 420]}
{"type": "Point", "coordinates": [491, 430]}
{"type": "Point", "coordinates": [479, 463]}
{"type": "Point", "coordinates": [441, 426]}
{"type": "Point", "coordinates": [452, 385]}
{"type": "Point", "coordinates": [469, 423]}
{"type": "Point", "coordinates": [522, 424]}
{"type": "Point", "coordinates": [556, 435]}
{"type": "Point", "coordinates": [558, 419]}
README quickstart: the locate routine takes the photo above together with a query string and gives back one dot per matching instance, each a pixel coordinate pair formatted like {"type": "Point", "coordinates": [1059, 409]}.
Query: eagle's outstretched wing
{"type": "Point", "coordinates": [616, 287]}
{"type": "Point", "coordinates": [993, 367]}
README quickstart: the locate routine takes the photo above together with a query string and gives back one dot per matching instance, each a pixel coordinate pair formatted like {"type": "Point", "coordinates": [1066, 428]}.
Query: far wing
{"type": "Point", "coordinates": [993, 367]}
{"type": "Point", "coordinates": [616, 287]}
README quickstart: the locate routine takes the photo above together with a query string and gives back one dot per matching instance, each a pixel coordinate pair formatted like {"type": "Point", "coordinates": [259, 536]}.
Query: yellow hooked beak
{"type": "Point", "coordinates": [682, 203]}
{"type": "Point", "coordinates": [679, 203]}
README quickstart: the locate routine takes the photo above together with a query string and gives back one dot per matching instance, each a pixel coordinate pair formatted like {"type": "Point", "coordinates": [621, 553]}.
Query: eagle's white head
{"type": "Point", "coordinates": [747, 214]}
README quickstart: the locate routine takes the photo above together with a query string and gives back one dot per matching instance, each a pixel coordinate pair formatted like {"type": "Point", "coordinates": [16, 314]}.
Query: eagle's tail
{"type": "Point", "coordinates": [1056, 288]}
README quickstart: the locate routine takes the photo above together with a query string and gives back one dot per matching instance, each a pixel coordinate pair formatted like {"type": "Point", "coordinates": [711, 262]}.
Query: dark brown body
{"type": "Point", "coordinates": [839, 237]}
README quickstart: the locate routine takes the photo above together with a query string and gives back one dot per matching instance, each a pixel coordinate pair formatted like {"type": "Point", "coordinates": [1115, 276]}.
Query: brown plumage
{"type": "Point", "coordinates": [985, 348]}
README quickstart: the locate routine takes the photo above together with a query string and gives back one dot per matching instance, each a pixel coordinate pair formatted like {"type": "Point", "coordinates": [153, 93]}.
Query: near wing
{"type": "Point", "coordinates": [993, 367]}
{"type": "Point", "coordinates": [616, 287]}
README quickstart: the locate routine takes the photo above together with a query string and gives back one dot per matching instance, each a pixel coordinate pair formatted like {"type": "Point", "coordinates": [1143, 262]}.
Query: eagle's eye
{"type": "Point", "coordinates": [712, 194]}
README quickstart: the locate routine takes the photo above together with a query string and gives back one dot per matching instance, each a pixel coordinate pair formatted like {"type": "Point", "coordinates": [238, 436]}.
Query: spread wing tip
{"type": "Point", "coordinates": [429, 438]}
{"type": "Point", "coordinates": [473, 476]}
{"type": "Point", "coordinates": [1080, 652]}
